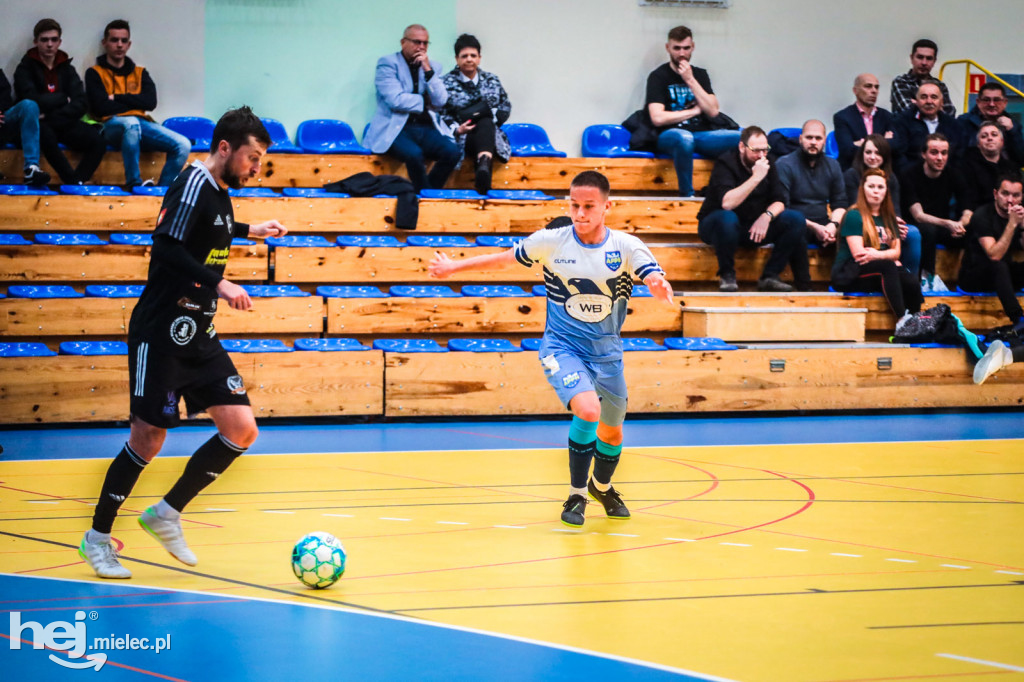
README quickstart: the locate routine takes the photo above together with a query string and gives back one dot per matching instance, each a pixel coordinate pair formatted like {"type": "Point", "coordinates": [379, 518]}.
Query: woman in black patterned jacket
{"type": "Point", "coordinates": [478, 132]}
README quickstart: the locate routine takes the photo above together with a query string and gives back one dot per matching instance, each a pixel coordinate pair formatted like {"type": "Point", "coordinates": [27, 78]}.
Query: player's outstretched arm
{"type": "Point", "coordinates": [442, 266]}
{"type": "Point", "coordinates": [660, 288]}
{"type": "Point", "coordinates": [270, 228]}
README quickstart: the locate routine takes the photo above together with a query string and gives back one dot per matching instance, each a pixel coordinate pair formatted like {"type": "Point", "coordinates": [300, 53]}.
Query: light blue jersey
{"type": "Point", "coordinates": [588, 288]}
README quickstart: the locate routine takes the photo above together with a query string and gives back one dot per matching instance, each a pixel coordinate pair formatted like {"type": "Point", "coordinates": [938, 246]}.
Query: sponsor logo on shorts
{"type": "Point", "coordinates": [116, 498]}
{"type": "Point", "coordinates": [235, 385]}
{"type": "Point", "coordinates": [613, 259]}
{"type": "Point", "coordinates": [571, 379]}
{"type": "Point", "coordinates": [171, 406]}
{"type": "Point", "coordinates": [183, 329]}
{"type": "Point", "coordinates": [188, 304]}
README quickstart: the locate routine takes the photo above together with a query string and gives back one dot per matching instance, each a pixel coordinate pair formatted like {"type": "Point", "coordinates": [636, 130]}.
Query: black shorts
{"type": "Point", "coordinates": [158, 382]}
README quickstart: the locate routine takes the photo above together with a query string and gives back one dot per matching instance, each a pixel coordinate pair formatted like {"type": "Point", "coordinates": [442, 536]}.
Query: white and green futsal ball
{"type": "Point", "coordinates": [318, 560]}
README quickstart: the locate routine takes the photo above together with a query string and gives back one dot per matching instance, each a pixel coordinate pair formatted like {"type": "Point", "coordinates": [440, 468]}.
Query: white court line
{"type": "Point", "coordinates": [680, 539]}
{"type": "Point", "coordinates": [565, 530]}
{"type": "Point", "coordinates": [955, 566]}
{"type": "Point", "coordinates": [994, 664]}
{"type": "Point", "coordinates": [341, 516]}
{"type": "Point", "coordinates": [274, 511]}
{"type": "Point", "coordinates": [454, 523]}
{"type": "Point", "coordinates": [513, 527]}
{"type": "Point", "coordinates": [1010, 572]}
{"type": "Point", "coordinates": [392, 518]}
{"type": "Point", "coordinates": [856, 556]}
{"type": "Point", "coordinates": [734, 544]}
{"type": "Point", "coordinates": [623, 535]}
{"type": "Point", "coordinates": [903, 561]}
{"type": "Point", "coordinates": [790, 549]}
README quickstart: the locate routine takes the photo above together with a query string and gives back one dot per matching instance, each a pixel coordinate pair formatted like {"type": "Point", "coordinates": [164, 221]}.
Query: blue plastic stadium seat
{"type": "Point", "coordinates": [298, 241]}
{"type": "Point", "coordinates": [697, 343]}
{"type": "Point", "coordinates": [419, 291]}
{"type": "Point", "coordinates": [328, 136]}
{"type": "Point", "coordinates": [505, 241]}
{"type": "Point", "coordinates": [786, 132]}
{"type": "Point", "coordinates": [256, 346]}
{"type": "Point", "coordinates": [94, 348]}
{"type": "Point", "coordinates": [484, 346]}
{"type": "Point", "coordinates": [495, 291]}
{"type": "Point", "coordinates": [24, 350]}
{"type": "Point", "coordinates": [131, 239]}
{"type": "Point", "coordinates": [239, 241]}
{"type": "Point", "coordinates": [254, 193]}
{"type": "Point", "coordinates": [94, 190]}
{"type": "Point", "coordinates": [831, 146]}
{"type": "Point", "coordinates": [280, 143]}
{"type": "Point", "coordinates": [13, 240]}
{"type": "Point", "coordinates": [519, 195]}
{"type": "Point", "coordinates": [437, 241]}
{"type": "Point", "coordinates": [529, 139]}
{"type": "Point", "coordinates": [197, 129]}
{"type": "Point", "coordinates": [329, 345]}
{"type": "Point", "coordinates": [42, 291]}
{"type": "Point", "coordinates": [633, 344]}
{"type": "Point", "coordinates": [641, 291]}
{"type": "Point", "coordinates": [26, 190]}
{"type": "Point", "coordinates": [610, 141]}
{"type": "Point", "coordinates": [456, 194]}
{"type": "Point", "coordinates": [370, 241]}
{"type": "Point", "coordinates": [540, 290]}
{"type": "Point", "coordinates": [68, 239]}
{"type": "Point", "coordinates": [275, 291]}
{"type": "Point", "coordinates": [150, 191]}
{"type": "Point", "coordinates": [114, 290]}
{"type": "Point", "coordinates": [934, 345]}
{"type": "Point", "coordinates": [961, 292]}
{"type": "Point", "coordinates": [409, 346]}
{"type": "Point", "coordinates": [362, 291]}
{"type": "Point", "coordinates": [530, 344]}
{"type": "Point", "coordinates": [855, 293]}
{"type": "Point", "coordinates": [313, 193]}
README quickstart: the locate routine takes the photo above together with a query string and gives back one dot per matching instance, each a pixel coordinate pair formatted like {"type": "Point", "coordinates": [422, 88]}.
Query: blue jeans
{"type": "Point", "coordinates": [722, 230]}
{"type": "Point", "coordinates": [23, 120]}
{"type": "Point", "coordinates": [137, 134]}
{"type": "Point", "coordinates": [416, 143]}
{"type": "Point", "coordinates": [910, 250]}
{"type": "Point", "coordinates": [681, 144]}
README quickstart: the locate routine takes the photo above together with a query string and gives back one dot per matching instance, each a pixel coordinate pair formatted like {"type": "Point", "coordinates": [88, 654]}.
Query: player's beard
{"type": "Point", "coordinates": [232, 179]}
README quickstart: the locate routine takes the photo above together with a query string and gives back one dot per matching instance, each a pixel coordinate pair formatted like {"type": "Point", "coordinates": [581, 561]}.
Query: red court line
{"type": "Point", "coordinates": [801, 510]}
{"type": "Point", "coordinates": [47, 568]}
{"type": "Point", "coordinates": [109, 662]}
{"type": "Point", "coordinates": [714, 482]}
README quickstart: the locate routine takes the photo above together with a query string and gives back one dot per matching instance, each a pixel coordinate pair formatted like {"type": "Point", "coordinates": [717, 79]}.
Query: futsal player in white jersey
{"type": "Point", "coordinates": [588, 272]}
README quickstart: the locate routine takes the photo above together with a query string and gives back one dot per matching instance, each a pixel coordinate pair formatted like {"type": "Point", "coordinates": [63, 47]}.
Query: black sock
{"type": "Point", "coordinates": [211, 460]}
{"type": "Point", "coordinates": [122, 474]}
{"type": "Point", "coordinates": [579, 462]}
{"type": "Point", "coordinates": [606, 458]}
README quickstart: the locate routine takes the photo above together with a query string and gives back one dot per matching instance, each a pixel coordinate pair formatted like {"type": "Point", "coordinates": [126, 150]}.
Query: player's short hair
{"type": "Point", "coordinates": [928, 81]}
{"type": "Point", "coordinates": [925, 42]}
{"type": "Point", "coordinates": [1013, 177]}
{"type": "Point", "coordinates": [594, 179]}
{"type": "Point", "coordinates": [749, 132]}
{"type": "Point", "coordinates": [466, 40]}
{"type": "Point", "coordinates": [236, 126]}
{"type": "Point", "coordinates": [116, 25]}
{"type": "Point", "coordinates": [991, 124]}
{"type": "Point", "coordinates": [992, 85]}
{"type": "Point", "coordinates": [679, 34]}
{"type": "Point", "coordinates": [935, 137]}
{"type": "Point", "coordinates": [44, 25]}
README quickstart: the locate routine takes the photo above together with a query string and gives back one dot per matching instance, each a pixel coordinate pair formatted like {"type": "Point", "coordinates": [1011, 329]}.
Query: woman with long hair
{"type": "Point", "coordinates": [876, 152]}
{"type": "Point", "coordinates": [868, 250]}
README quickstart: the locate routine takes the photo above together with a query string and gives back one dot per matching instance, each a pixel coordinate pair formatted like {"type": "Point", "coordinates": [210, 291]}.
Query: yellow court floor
{"type": "Point", "coordinates": [837, 562]}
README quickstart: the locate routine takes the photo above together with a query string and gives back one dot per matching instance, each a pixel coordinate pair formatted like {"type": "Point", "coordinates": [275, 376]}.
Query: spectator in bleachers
{"type": "Point", "coordinates": [121, 94]}
{"type": "Point", "coordinates": [682, 106]}
{"type": "Point", "coordinates": [19, 124]}
{"type": "Point", "coordinates": [812, 184]}
{"type": "Point", "coordinates": [923, 118]}
{"type": "Point", "coordinates": [984, 163]}
{"type": "Point", "coordinates": [477, 106]}
{"type": "Point", "coordinates": [991, 106]}
{"type": "Point", "coordinates": [860, 119]}
{"type": "Point", "coordinates": [994, 257]}
{"type": "Point", "coordinates": [876, 153]}
{"type": "Point", "coordinates": [929, 190]}
{"type": "Point", "coordinates": [904, 87]}
{"type": "Point", "coordinates": [868, 253]}
{"type": "Point", "coordinates": [46, 76]}
{"type": "Point", "coordinates": [744, 206]}
{"type": "Point", "coordinates": [406, 125]}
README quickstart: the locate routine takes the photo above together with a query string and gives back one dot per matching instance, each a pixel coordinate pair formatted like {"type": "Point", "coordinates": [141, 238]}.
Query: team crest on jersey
{"type": "Point", "coordinates": [183, 329]}
{"type": "Point", "coordinates": [613, 259]}
{"type": "Point", "coordinates": [235, 385]}
{"type": "Point", "coordinates": [571, 379]}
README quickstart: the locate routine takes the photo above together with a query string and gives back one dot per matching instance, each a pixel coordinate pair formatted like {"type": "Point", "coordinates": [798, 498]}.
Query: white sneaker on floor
{"type": "Point", "coordinates": [995, 358]}
{"type": "Point", "coordinates": [102, 558]}
{"type": "Point", "coordinates": [169, 534]}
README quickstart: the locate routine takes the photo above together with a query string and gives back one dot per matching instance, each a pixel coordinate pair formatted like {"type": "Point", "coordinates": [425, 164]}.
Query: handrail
{"type": "Point", "coordinates": [968, 63]}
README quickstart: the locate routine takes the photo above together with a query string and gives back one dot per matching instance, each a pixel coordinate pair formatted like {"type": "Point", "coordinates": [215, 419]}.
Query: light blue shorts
{"type": "Point", "coordinates": [570, 376]}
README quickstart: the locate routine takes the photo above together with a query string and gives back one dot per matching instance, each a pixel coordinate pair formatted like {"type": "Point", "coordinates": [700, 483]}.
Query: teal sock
{"type": "Point", "coordinates": [582, 436]}
{"type": "Point", "coordinates": [606, 458]}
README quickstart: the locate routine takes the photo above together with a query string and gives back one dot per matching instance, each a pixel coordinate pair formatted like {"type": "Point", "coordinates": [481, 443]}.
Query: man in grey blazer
{"type": "Point", "coordinates": [406, 124]}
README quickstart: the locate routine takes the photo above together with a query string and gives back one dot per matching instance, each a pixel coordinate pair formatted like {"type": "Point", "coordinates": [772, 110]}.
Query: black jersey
{"type": "Point", "coordinates": [176, 309]}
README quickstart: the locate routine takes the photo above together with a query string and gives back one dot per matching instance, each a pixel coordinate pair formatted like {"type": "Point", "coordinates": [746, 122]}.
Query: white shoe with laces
{"type": "Point", "coordinates": [169, 534]}
{"type": "Point", "coordinates": [995, 358]}
{"type": "Point", "coordinates": [102, 558]}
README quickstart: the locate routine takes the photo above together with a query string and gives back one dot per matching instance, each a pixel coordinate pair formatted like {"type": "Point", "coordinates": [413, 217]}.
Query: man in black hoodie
{"type": "Point", "coordinates": [19, 123]}
{"type": "Point", "coordinates": [120, 94]}
{"type": "Point", "coordinates": [46, 76]}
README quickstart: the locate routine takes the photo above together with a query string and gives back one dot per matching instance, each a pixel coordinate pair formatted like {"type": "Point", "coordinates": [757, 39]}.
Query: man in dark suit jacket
{"type": "Point", "coordinates": [923, 118]}
{"type": "Point", "coordinates": [860, 119]}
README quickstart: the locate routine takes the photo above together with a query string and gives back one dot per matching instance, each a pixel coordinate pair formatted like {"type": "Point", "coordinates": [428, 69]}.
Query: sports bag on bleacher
{"type": "Point", "coordinates": [934, 325]}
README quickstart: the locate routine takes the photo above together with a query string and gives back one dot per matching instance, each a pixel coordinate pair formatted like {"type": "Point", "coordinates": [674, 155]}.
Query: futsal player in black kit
{"type": "Point", "coordinates": [173, 351]}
